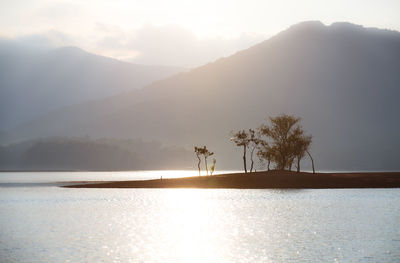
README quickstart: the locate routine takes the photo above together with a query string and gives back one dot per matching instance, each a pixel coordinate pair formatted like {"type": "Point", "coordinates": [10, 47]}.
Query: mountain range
{"type": "Point", "coordinates": [56, 153]}
{"type": "Point", "coordinates": [34, 82]}
{"type": "Point", "coordinates": [343, 80]}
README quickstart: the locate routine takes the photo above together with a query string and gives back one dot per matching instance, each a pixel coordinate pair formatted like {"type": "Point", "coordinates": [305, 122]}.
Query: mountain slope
{"type": "Point", "coordinates": [343, 80]}
{"type": "Point", "coordinates": [88, 154]}
{"type": "Point", "coordinates": [34, 82]}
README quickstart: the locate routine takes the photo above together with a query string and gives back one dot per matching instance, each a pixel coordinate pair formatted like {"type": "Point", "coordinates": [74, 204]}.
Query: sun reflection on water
{"type": "Point", "coordinates": [198, 225]}
{"type": "Point", "coordinates": [190, 227]}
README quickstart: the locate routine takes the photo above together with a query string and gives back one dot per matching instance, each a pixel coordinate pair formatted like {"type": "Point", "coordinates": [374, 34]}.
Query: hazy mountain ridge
{"type": "Point", "coordinates": [62, 153]}
{"type": "Point", "coordinates": [34, 82]}
{"type": "Point", "coordinates": [342, 79]}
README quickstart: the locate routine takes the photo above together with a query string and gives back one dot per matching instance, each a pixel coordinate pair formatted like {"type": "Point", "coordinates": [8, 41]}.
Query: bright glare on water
{"type": "Point", "coordinates": [52, 224]}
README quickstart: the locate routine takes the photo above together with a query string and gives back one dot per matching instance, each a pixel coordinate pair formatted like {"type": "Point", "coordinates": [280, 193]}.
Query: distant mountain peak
{"type": "Point", "coordinates": [345, 25]}
{"type": "Point", "coordinates": [71, 50]}
{"type": "Point", "coordinates": [317, 25]}
{"type": "Point", "coordinates": [307, 25]}
{"type": "Point", "coordinates": [60, 77]}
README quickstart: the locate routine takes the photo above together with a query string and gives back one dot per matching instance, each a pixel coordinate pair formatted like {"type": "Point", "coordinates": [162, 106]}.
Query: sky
{"type": "Point", "coordinates": [176, 32]}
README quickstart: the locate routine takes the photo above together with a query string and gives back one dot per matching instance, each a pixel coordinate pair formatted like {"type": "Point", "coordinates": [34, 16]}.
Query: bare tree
{"type": "Point", "coordinates": [253, 143]}
{"type": "Point", "coordinates": [312, 161]}
{"type": "Point", "coordinates": [206, 154]}
{"type": "Point", "coordinates": [212, 169]}
{"type": "Point", "coordinates": [198, 152]}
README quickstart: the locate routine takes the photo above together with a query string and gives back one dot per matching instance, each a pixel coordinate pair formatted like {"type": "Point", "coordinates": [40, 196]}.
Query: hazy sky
{"type": "Point", "coordinates": [176, 32]}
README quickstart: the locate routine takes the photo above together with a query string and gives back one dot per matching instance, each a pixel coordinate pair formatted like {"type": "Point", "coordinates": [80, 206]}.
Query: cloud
{"type": "Point", "coordinates": [174, 45]}
{"type": "Point", "coordinates": [168, 45]}
{"type": "Point", "coordinates": [45, 41]}
{"type": "Point", "coordinates": [58, 11]}
{"type": "Point", "coordinates": [49, 39]}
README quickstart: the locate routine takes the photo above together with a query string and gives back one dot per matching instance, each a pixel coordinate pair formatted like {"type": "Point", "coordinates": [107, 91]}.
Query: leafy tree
{"type": "Point", "coordinates": [286, 140]}
{"type": "Point", "coordinates": [301, 145]}
{"type": "Point", "coordinates": [241, 139]}
{"type": "Point", "coordinates": [265, 153]}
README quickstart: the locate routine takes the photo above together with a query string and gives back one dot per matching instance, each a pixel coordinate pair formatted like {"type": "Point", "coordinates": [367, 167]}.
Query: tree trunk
{"type": "Point", "coordinates": [269, 162]}
{"type": "Point", "coordinates": [205, 160]}
{"type": "Point", "coordinates": [298, 164]}
{"type": "Point", "coordinates": [198, 164]}
{"type": "Point", "coordinates": [244, 158]}
{"type": "Point", "coordinates": [312, 161]}
{"type": "Point", "coordinates": [252, 161]}
{"type": "Point", "coordinates": [282, 163]}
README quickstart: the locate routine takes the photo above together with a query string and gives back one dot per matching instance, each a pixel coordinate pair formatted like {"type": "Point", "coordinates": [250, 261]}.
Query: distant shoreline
{"type": "Point", "coordinates": [264, 180]}
{"type": "Point", "coordinates": [66, 170]}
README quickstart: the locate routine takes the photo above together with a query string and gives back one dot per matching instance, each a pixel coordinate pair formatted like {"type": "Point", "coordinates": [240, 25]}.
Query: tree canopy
{"type": "Point", "coordinates": [282, 141]}
{"type": "Point", "coordinates": [206, 153]}
{"type": "Point", "coordinates": [286, 141]}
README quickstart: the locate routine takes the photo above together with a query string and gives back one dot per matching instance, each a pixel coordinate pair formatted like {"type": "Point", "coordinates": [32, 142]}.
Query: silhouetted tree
{"type": "Point", "coordinates": [285, 134]}
{"type": "Point", "coordinates": [301, 145]}
{"type": "Point", "coordinates": [198, 151]}
{"type": "Point", "coordinates": [212, 169]}
{"type": "Point", "coordinates": [241, 139]}
{"type": "Point", "coordinates": [206, 154]}
{"type": "Point", "coordinates": [265, 153]}
{"type": "Point", "coordinates": [253, 143]}
{"type": "Point", "coordinates": [312, 161]}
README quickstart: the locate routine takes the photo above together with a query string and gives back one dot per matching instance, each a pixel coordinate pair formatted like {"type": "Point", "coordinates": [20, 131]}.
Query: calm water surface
{"type": "Point", "coordinates": [53, 224]}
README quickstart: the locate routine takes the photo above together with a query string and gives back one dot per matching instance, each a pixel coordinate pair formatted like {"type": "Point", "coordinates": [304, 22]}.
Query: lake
{"type": "Point", "coordinates": [46, 223]}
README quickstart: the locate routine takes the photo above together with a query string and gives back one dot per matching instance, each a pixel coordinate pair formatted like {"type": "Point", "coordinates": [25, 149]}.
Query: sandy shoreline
{"type": "Point", "coordinates": [264, 180]}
